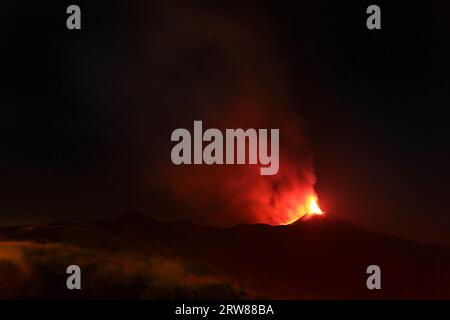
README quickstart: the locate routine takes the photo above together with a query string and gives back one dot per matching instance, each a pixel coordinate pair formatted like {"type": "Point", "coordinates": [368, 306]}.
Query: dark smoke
{"type": "Point", "coordinates": [243, 84]}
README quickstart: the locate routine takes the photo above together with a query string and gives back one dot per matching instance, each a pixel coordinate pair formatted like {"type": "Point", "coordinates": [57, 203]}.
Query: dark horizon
{"type": "Point", "coordinates": [134, 257]}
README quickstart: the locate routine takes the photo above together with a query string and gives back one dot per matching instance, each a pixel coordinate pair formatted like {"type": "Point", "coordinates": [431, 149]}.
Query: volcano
{"type": "Point", "coordinates": [133, 256]}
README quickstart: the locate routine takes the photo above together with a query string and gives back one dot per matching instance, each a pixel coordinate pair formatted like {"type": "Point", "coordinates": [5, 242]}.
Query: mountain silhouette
{"type": "Point", "coordinates": [134, 256]}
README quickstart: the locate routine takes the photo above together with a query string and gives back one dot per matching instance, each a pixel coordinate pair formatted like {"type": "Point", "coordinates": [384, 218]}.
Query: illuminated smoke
{"type": "Point", "coordinates": [243, 84]}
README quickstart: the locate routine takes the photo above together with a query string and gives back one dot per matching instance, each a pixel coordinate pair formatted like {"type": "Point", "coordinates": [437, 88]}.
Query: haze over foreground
{"type": "Point", "coordinates": [133, 256]}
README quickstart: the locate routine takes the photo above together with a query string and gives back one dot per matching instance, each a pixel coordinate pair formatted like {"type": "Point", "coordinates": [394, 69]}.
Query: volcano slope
{"type": "Point", "coordinates": [135, 257]}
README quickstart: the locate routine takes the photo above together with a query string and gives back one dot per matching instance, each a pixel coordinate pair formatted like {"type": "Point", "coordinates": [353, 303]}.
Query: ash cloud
{"type": "Point", "coordinates": [242, 84]}
{"type": "Point", "coordinates": [103, 147]}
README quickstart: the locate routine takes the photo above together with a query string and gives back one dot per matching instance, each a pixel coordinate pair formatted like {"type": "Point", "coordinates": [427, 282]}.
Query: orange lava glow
{"type": "Point", "coordinates": [311, 208]}
{"type": "Point", "coordinates": [314, 206]}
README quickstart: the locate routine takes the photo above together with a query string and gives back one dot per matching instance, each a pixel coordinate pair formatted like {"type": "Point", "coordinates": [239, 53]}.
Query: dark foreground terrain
{"type": "Point", "coordinates": [133, 256]}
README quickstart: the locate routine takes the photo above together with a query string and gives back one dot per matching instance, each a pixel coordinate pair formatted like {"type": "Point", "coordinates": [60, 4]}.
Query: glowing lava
{"type": "Point", "coordinates": [310, 208]}
{"type": "Point", "coordinates": [313, 206]}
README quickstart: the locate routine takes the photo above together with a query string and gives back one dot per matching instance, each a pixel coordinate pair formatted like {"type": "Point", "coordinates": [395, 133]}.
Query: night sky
{"type": "Point", "coordinates": [86, 116]}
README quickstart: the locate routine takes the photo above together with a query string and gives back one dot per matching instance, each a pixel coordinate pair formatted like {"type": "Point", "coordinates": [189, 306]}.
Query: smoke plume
{"type": "Point", "coordinates": [240, 82]}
